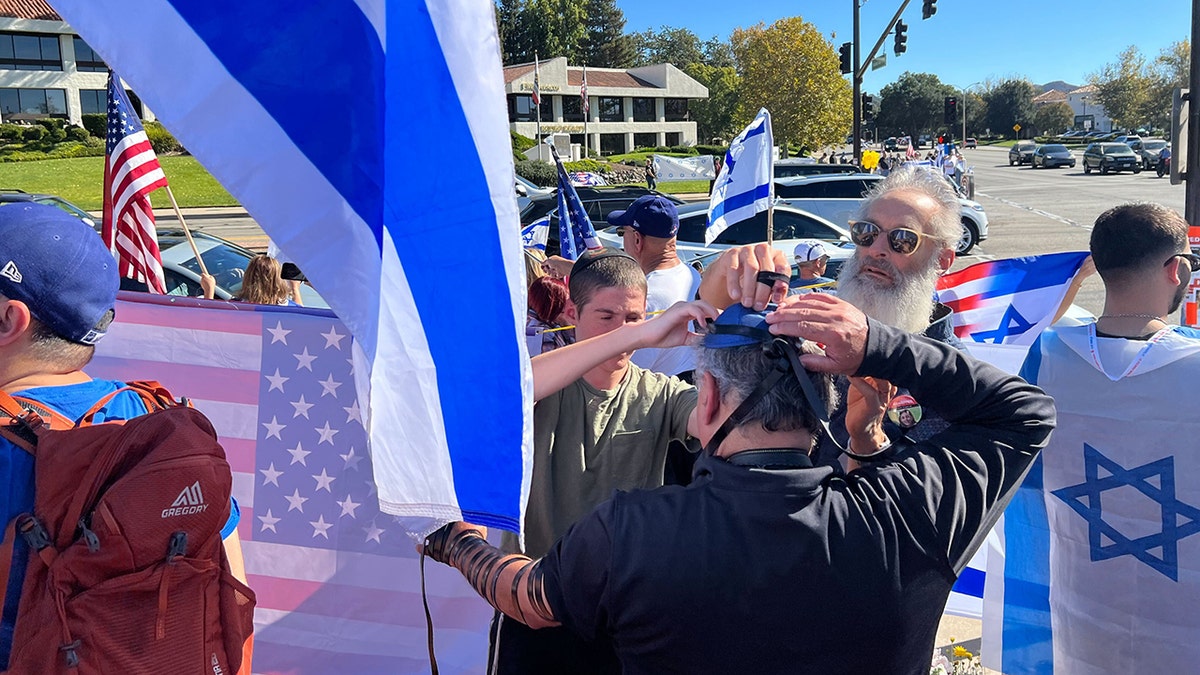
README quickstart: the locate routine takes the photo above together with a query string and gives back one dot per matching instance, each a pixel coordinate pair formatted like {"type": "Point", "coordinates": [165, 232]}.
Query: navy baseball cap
{"type": "Point", "coordinates": [59, 267]}
{"type": "Point", "coordinates": [650, 215]}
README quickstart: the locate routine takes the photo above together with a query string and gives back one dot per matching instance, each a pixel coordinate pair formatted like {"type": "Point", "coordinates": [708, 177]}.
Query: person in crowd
{"type": "Point", "coordinates": [648, 229]}
{"type": "Point", "coordinates": [58, 292]}
{"type": "Point", "coordinates": [651, 174]}
{"type": "Point", "coordinates": [263, 284]}
{"type": "Point", "coordinates": [599, 425]}
{"type": "Point", "coordinates": [811, 259]}
{"type": "Point", "coordinates": [547, 318]}
{"type": "Point", "coordinates": [768, 562]}
{"type": "Point", "coordinates": [1120, 386]}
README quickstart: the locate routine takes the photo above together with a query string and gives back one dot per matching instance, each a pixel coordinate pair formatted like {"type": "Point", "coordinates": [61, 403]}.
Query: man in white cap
{"type": "Point", "coordinates": [811, 258]}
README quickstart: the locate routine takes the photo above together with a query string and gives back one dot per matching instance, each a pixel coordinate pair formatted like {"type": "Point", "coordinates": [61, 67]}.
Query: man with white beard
{"type": "Point", "coordinates": [904, 235]}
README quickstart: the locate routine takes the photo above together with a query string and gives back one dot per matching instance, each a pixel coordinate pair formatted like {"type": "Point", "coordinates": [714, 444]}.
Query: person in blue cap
{"type": "Point", "coordinates": [58, 291]}
{"type": "Point", "coordinates": [768, 563]}
{"type": "Point", "coordinates": [648, 229]}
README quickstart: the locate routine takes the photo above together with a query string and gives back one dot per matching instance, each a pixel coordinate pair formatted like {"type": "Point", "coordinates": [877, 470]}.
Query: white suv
{"type": "Point", "coordinates": [838, 198]}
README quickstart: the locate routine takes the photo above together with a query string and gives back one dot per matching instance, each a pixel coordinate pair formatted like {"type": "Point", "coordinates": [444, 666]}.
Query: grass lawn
{"type": "Point", "coordinates": [683, 186]}
{"type": "Point", "coordinates": [81, 181]}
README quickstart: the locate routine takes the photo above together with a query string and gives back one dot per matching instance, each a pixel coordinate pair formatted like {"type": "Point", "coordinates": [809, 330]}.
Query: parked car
{"type": "Point", "coordinates": [791, 225]}
{"type": "Point", "coordinates": [1021, 153]}
{"type": "Point", "coordinates": [1127, 139]}
{"type": "Point", "coordinates": [1052, 155]}
{"type": "Point", "coordinates": [890, 144]}
{"type": "Point", "coordinates": [837, 199]}
{"type": "Point", "coordinates": [1149, 149]}
{"type": "Point", "coordinates": [1111, 157]}
{"type": "Point", "coordinates": [924, 140]}
{"type": "Point", "coordinates": [786, 168]}
{"type": "Point", "coordinates": [598, 202]}
{"type": "Point", "coordinates": [13, 195]}
{"type": "Point", "coordinates": [969, 142]}
{"type": "Point", "coordinates": [526, 191]}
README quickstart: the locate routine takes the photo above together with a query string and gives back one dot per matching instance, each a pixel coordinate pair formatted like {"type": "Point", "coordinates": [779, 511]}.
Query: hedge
{"type": "Point", "coordinates": [96, 124]}
{"type": "Point", "coordinates": [714, 150]}
{"type": "Point", "coordinates": [34, 133]}
{"type": "Point", "coordinates": [11, 132]}
{"type": "Point", "coordinates": [92, 147]}
{"type": "Point", "coordinates": [592, 165]}
{"type": "Point", "coordinates": [160, 139]}
{"type": "Point", "coordinates": [538, 173]}
{"type": "Point", "coordinates": [521, 143]}
{"type": "Point", "coordinates": [78, 134]}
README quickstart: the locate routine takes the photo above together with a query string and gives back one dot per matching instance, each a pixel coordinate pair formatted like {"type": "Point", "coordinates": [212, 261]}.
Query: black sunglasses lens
{"type": "Point", "coordinates": [903, 241]}
{"type": "Point", "coordinates": [1194, 261]}
{"type": "Point", "coordinates": [863, 233]}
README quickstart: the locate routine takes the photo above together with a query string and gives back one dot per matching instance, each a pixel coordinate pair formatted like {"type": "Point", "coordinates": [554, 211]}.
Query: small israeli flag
{"type": "Point", "coordinates": [535, 234]}
{"type": "Point", "coordinates": [746, 184]}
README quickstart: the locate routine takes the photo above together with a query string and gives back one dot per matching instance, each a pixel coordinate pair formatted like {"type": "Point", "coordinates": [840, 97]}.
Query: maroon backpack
{"type": "Point", "coordinates": [127, 572]}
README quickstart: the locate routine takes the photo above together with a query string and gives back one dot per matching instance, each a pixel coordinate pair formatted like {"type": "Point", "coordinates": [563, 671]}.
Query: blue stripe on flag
{"type": "Point", "coordinates": [475, 351]}
{"type": "Point", "coordinates": [735, 202]}
{"type": "Point", "coordinates": [1027, 635]}
{"type": "Point", "coordinates": [970, 582]}
{"type": "Point", "coordinates": [759, 130]}
{"type": "Point", "coordinates": [348, 61]}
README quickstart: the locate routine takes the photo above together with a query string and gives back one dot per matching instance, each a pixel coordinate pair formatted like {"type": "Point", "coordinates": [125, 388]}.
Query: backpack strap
{"type": "Point", "coordinates": [22, 418]}
{"type": "Point", "coordinates": [154, 396]}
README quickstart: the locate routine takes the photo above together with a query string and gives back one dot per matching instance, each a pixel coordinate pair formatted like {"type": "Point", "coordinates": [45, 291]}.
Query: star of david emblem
{"type": "Point", "coordinates": [1178, 520]}
{"type": "Point", "coordinates": [1011, 324]}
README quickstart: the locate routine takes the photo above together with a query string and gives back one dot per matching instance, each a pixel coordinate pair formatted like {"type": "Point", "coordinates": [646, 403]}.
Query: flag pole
{"type": "Point", "coordinates": [587, 112]}
{"type": "Point", "coordinates": [770, 224]}
{"type": "Point", "coordinates": [537, 102]}
{"type": "Point", "coordinates": [186, 232]}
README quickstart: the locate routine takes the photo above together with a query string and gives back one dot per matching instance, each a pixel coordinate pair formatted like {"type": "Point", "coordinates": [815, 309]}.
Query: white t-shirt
{"type": "Point", "coordinates": [663, 289]}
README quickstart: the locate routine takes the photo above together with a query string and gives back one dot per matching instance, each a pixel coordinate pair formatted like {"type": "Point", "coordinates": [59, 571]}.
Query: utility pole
{"type": "Point", "coordinates": [856, 78]}
{"type": "Point", "coordinates": [1191, 203]}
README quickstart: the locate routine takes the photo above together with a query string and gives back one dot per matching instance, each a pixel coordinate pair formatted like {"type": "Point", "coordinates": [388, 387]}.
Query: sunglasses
{"type": "Point", "coordinates": [901, 239]}
{"type": "Point", "coordinates": [1191, 258]}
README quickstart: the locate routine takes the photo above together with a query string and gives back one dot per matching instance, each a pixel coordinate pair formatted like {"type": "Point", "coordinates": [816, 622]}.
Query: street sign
{"type": "Point", "coordinates": [879, 62]}
{"type": "Point", "coordinates": [1016, 127]}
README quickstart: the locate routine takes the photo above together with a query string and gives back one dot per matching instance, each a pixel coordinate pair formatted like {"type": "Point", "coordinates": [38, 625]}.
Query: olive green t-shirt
{"type": "Point", "coordinates": [588, 442]}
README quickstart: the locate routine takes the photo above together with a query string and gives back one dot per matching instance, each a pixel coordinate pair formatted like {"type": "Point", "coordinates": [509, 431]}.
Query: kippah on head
{"type": "Point", "coordinates": [592, 256]}
{"type": "Point", "coordinates": [59, 267]}
{"type": "Point", "coordinates": [739, 326]}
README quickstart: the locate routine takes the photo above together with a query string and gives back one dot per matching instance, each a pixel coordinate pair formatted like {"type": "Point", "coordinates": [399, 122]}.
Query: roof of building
{"type": "Point", "coordinates": [1086, 89]}
{"type": "Point", "coordinates": [597, 77]}
{"type": "Point", "coordinates": [28, 9]}
{"type": "Point", "coordinates": [1051, 96]}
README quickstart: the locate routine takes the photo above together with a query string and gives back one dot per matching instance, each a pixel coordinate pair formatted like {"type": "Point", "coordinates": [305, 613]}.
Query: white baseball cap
{"type": "Point", "coordinates": [810, 250]}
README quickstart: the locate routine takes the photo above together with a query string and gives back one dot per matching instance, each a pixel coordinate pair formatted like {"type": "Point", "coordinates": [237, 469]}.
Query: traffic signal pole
{"type": "Point", "coordinates": [1191, 201]}
{"type": "Point", "coordinates": [857, 79]}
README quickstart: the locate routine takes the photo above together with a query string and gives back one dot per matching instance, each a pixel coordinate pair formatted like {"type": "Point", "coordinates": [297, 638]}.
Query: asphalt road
{"type": "Point", "coordinates": [1032, 211]}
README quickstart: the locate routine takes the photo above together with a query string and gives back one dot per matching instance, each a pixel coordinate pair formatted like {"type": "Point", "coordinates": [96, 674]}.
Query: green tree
{"type": "Point", "coordinates": [604, 43]}
{"type": "Point", "coordinates": [790, 69]}
{"type": "Point", "coordinates": [976, 109]}
{"type": "Point", "coordinates": [1053, 118]}
{"type": "Point", "coordinates": [1169, 71]}
{"type": "Point", "coordinates": [1010, 103]}
{"type": "Point", "coordinates": [678, 46]}
{"type": "Point", "coordinates": [1123, 88]}
{"type": "Point", "coordinates": [914, 104]}
{"type": "Point", "coordinates": [715, 115]}
{"type": "Point", "coordinates": [547, 28]}
{"type": "Point", "coordinates": [718, 53]}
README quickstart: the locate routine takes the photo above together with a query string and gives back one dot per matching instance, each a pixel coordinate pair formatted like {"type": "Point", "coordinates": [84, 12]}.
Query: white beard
{"type": "Point", "coordinates": [907, 305]}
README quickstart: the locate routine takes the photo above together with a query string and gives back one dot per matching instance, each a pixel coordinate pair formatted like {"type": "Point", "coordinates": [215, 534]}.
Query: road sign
{"type": "Point", "coordinates": [1016, 127]}
{"type": "Point", "coordinates": [879, 62]}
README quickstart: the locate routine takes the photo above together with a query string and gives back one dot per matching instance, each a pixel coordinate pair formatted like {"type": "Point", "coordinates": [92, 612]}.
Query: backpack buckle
{"type": "Point", "coordinates": [71, 653]}
{"type": "Point", "coordinates": [35, 534]}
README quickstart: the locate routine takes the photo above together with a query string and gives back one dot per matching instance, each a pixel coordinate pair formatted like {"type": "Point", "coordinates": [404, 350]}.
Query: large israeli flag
{"type": "Point", "coordinates": [313, 115]}
{"type": "Point", "coordinates": [1100, 570]}
{"type": "Point", "coordinates": [746, 184]}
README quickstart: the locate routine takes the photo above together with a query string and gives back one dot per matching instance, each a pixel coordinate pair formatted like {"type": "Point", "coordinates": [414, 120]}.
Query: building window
{"type": "Point", "coordinates": [520, 108]}
{"type": "Point", "coordinates": [676, 109]}
{"type": "Point", "coordinates": [547, 108]}
{"type": "Point", "coordinates": [93, 101]}
{"type": "Point", "coordinates": [612, 144]}
{"type": "Point", "coordinates": [645, 140]}
{"type": "Point", "coordinates": [86, 59]}
{"type": "Point", "coordinates": [643, 110]}
{"type": "Point", "coordinates": [611, 109]}
{"type": "Point", "coordinates": [572, 109]}
{"type": "Point", "coordinates": [19, 51]}
{"type": "Point", "coordinates": [674, 138]}
{"type": "Point", "coordinates": [32, 103]}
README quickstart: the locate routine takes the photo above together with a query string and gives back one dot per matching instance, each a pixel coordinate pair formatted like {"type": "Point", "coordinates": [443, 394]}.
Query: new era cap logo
{"type": "Point", "coordinates": [11, 272]}
{"type": "Point", "coordinates": [189, 502]}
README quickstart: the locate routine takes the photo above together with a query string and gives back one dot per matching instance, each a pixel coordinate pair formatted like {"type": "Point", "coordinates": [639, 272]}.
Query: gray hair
{"type": "Point", "coordinates": [946, 224]}
{"type": "Point", "coordinates": [738, 370]}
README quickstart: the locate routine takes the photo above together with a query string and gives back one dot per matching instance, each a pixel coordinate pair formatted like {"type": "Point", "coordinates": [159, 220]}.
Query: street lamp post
{"type": "Point", "coordinates": [964, 107]}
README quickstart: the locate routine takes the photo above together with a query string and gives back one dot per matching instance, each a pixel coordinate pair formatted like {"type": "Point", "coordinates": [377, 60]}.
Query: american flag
{"type": "Point", "coordinates": [583, 92]}
{"type": "Point", "coordinates": [131, 173]}
{"type": "Point", "coordinates": [337, 581]}
{"type": "Point", "coordinates": [537, 82]}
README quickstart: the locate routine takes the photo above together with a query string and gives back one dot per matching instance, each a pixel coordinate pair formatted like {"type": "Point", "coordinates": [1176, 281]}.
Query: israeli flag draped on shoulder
{"type": "Point", "coordinates": [1100, 571]}
{"type": "Point", "coordinates": [746, 184]}
{"type": "Point", "coordinates": [226, 77]}
{"type": "Point", "coordinates": [575, 231]}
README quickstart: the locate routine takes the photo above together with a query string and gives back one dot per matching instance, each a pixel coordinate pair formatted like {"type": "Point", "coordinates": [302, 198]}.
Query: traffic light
{"type": "Point", "coordinates": [846, 56]}
{"type": "Point", "coordinates": [951, 110]}
{"type": "Point", "coordinates": [901, 38]}
{"type": "Point", "coordinates": [868, 107]}
{"type": "Point", "coordinates": [928, 9]}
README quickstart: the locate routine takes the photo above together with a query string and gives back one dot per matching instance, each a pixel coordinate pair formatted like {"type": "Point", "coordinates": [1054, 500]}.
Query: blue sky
{"type": "Point", "coordinates": [967, 41]}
